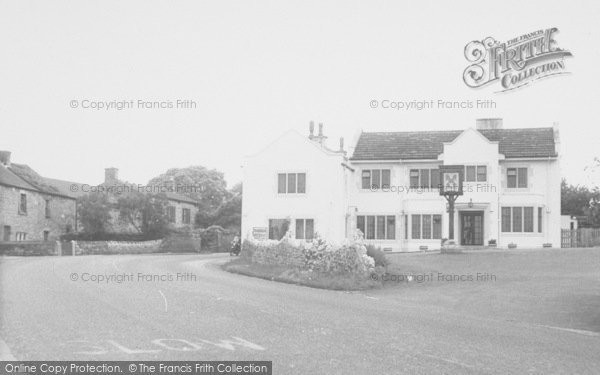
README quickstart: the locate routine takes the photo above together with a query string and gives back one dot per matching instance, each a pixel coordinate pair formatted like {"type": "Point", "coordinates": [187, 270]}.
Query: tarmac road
{"type": "Point", "coordinates": [184, 307]}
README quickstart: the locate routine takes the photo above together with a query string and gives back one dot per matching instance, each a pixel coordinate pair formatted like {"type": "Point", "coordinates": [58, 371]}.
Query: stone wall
{"type": "Point", "coordinates": [115, 247]}
{"type": "Point", "coordinates": [34, 222]}
{"type": "Point", "coordinates": [185, 241]}
{"type": "Point", "coordinates": [30, 248]}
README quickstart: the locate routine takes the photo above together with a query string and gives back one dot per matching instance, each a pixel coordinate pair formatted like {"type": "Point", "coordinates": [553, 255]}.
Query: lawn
{"type": "Point", "coordinates": [554, 287]}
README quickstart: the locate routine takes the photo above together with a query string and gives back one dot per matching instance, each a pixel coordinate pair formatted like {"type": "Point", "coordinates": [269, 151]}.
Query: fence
{"type": "Point", "coordinates": [582, 237]}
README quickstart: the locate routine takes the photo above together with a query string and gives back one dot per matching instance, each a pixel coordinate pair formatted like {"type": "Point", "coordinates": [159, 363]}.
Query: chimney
{"type": "Point", "coordinates": [5, 158]}
{"type": "Point", "coordinates": [320, 139]}
{"type": "Point", "coordinates": [342, 144]}
{"type": "Point", "coordinates": [488, 123]}
{"type": "Point", "coordinates": [111, 176]}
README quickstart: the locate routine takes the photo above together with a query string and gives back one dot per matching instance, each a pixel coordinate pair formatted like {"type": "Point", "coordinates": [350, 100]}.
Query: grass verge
{"type": "Point", "coordinates": [283, 274]}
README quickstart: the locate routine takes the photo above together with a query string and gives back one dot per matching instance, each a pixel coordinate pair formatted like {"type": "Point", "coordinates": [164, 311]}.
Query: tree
{"type": "Point", "coordinates": [94, 213]}
{"type": "Point", "coordinates": [574, 199]}
{"type": "Point", "coordinates": [145, 212]}
{"type": "Point", "coordinates": [207, 186]}
{"type": "Point", "coordinates": [229, 214]}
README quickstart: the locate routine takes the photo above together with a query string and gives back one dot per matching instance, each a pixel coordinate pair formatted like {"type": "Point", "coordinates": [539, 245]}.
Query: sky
{"type": "Point", "coordinates": [255, 69]}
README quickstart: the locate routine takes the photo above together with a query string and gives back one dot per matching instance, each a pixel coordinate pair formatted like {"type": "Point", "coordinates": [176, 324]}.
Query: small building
{"type": "Point", "coordinates": [32, 208]}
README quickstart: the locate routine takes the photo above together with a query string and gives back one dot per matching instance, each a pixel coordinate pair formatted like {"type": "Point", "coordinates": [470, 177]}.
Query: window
{"type": "Point", "coordinates": [6, 235]}
{"type": "Point", "coordinates": [281, 183]}
{"type": "Point", "coordinates": [46, 235]}
{"type": "Point", "coordinates": [47, 209]}
{"type": "Point", "coordinates": [380, 227]}
{"type": "Point", "coordinates": [506, 222]}
{"type": "Point", "coordinates": [21, 236]}
{"type": "Point", "coordinates": [405, 226]}
{"type": "Point", "coordinates": [375, 178]}
{"type": "Point", "coordinates": [475, 173]}
{"type": "Point", "coordinates": [517, 219]}
{"type": "Point", "coordinates": [171, 214]}
{"type": "Point", "coordinates": [390, 228]}
{"type": "Point", "coordinates": [23, 205]}
{"type": "Point", "coordinates": [516, 177]}
{"type": "Point", "coordinates": [416, 226]}
{"type": "Point", "coordinates": [522, 177]}
{"type": "Point", "coordinates": [305, 229]}
{"type": "Point", "coordinates": [291, 183]}
{"type": "Point", "coordinates": [424, 178]}
{"type": "Point", "coordinates": [370, 235]}
{"type": "Point", "coordinates": [520, 219]}
{"type": "Point", "coordinates": [427, 227]}
{"type": "Point", "coordinates": [185, 215]}
{"type": "Point", "coordinates": [527, 219]}
{"type": "Point", "coordinates": [481, 173]}
{"type": "Point", "coordinates": [470, 173]}
{"type": "Point", "coordinates": [301, 183]}
{"type": "Point", "coordinates": [414, 178]}
{"type": "Point", "coordinates": [437, 226]}
{"type": "Point", "coordinates": [435, 179]}
{"type": "Point", "coordinates": [278, 228]}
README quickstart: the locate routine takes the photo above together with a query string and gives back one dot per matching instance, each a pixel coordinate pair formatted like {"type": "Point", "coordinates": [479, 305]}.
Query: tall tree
{"type": "Point", "coordinates": [207, 186]}
{"type": "Point", "coordinates": [145, 212]}
{"type": "Point", "coordinates": [94, 212]}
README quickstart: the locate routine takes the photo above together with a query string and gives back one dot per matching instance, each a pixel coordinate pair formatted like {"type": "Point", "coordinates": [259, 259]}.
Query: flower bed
{"type": "Point", "coordinates": [317, 256]}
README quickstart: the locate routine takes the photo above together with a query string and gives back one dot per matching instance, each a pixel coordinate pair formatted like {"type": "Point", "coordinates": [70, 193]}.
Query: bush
{"type": "Point", "coordinates": [318, 255]}
{"type": "Point", "coordinates": [378, 255]}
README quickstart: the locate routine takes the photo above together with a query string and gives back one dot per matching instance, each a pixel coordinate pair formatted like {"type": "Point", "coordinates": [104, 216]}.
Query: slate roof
{"type": "Point", "coordinates": [513, 143]}
{"type": "Point", "coordinates": [24, 177]}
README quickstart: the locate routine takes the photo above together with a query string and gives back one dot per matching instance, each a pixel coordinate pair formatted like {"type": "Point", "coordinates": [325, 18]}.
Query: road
{"type": "Point", "coordinates": [48, 313]}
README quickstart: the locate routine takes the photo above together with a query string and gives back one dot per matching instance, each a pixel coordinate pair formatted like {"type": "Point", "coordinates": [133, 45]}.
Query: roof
{"type": "Point", "coordinates": [180, 198]}
{"type": "Point", "coordinates": [513, 143]}
{"type": "Point", "coordinates": [66, 187]}
{"type": "Point", "coordinates": [24, 177]}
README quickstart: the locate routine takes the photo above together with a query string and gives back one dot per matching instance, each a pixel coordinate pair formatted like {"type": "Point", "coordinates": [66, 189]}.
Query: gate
{"type": "Point", "coordinates": [66, 247]}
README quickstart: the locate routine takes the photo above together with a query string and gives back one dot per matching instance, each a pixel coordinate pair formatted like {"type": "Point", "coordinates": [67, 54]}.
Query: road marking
{"type": "Point", "coordinates": [578, 331]}
{"type": "Point", "coordinates": [450, 361]}
{"type": "Point", "coordinates": [165, 299]}
{"type": "Point", "coordinates": [5, 354]}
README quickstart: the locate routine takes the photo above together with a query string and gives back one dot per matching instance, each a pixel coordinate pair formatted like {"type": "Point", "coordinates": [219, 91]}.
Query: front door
{"type": "Point", "coordinates": [471, 224]}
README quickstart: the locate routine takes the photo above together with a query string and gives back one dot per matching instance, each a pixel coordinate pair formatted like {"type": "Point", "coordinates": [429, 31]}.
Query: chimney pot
{"type": "Point", "coordinates": [341, 143]}
{"type": "Point", "coordinates": [311, 129]}
{"type": "Point", "coordinates": [5, 158]}
{"type": "Point", "coordinates": [320, 129]}
{"type": "Point", "coordinates": [488, 123]}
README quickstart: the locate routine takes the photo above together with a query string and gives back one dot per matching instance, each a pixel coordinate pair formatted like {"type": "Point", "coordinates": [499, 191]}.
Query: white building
{"type": "Point", "coordinates": [387, 188]}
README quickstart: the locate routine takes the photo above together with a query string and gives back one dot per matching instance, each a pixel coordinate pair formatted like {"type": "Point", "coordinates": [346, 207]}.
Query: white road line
{"type": "Point", "coordinates": [578, 331]}
{"type": "Point", "coordinates": [165, 299]}
{"type": "Point", "coordinates": [450, 361]}
{"type": "Point", "coordinates": [5, 354]}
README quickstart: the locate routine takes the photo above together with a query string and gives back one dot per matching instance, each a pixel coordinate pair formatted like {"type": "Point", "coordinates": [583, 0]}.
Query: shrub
{"type": "Point", "coordinates": [318, 255]}
{"type": "Point", "coordinates": [378, 256]}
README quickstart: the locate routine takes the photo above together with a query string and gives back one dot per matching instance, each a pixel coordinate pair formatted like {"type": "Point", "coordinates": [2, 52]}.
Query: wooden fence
{"type": "Point", "coordinates": [582, 237]}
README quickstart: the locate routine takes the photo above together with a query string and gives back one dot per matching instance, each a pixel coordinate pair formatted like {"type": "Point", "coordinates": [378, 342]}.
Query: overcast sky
{"type": "Point", "coordinates": [256, 69]}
